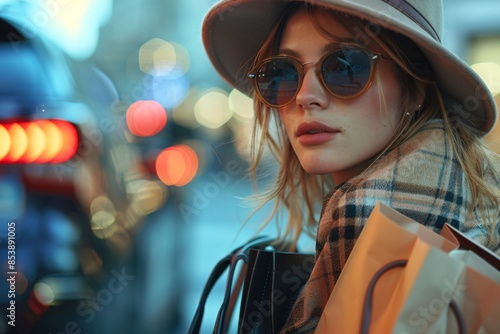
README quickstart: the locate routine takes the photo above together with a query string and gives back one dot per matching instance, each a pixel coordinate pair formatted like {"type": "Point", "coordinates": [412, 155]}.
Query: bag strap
{"type": "Point", "coordinates": [230, 295]}
{"type": "Point", "coordinates": [218, 270]}
{"type": "Point", "coordinates": [234, 296]}
{"type": "Point", "coordinates": [229, 261]}
{"type": "Point", "coordinates": [367, 308]}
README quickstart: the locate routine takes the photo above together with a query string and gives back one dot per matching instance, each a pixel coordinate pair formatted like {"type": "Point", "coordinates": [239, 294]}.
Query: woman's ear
{"type": "Point", "coordinates": [419, 97]}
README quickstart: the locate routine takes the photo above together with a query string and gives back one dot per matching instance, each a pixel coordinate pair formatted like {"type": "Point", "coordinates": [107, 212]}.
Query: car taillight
{"type": "Point", "coordinates": [37, 142]}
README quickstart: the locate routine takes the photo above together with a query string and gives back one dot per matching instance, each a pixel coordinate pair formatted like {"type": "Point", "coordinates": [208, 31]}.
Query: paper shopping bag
{"type": "Point", "coordinates": [440, 292]}
{"type": "Point", "coordinates": [401, 277]}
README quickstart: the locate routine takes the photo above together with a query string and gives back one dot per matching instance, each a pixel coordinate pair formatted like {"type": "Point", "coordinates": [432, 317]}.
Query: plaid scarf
{"type": "Point", "coordinates": [422, 180]}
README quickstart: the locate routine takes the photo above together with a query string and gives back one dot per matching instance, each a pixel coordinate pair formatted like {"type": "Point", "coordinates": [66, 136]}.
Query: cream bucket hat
{"type": "Point", "coordinates": [234, 30]}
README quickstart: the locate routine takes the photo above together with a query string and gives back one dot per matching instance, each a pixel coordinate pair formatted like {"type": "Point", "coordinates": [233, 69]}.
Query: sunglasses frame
{"type": "Point", "coordinates": [373, 58]}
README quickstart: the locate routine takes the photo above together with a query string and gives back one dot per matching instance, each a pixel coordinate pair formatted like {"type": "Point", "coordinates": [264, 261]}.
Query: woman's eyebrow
{"type": "Point", "coordinates": [288, 52]}
{"type": "Point", "coordinates": [335, 46]}
{"type": "Point", "coordinates": [325, 49]}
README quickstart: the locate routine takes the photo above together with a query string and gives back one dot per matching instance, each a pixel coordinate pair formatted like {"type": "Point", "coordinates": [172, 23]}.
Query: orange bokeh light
{"type": "Point", "coordinates": [146, 118]}
{"type": "Point", "coordinates": [5, 142]}
{"type": "Point", "coordinates": [40, 141]}
{"type": "Point", "coordinates": [55, 137]}
{"type": "Point", "coordinates": [69, 144]}
{"type": "Point", "coordinates": [177, 165]}
{"type": "Point", "coordinates": [36, 142]}
{"type": "Point", "coordinates": [19, 142]}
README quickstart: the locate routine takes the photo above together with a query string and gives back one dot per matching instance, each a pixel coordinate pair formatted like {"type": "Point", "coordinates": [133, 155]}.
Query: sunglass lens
{"type": "Point", "coordinates": [277, 82]}
{"type": "Point", "coordinates": [346, 72]}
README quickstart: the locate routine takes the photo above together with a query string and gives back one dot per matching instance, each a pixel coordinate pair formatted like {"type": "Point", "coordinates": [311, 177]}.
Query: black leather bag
{"type": "Point", "coordinates": [272, 284]}
{"type": "Point", "coordinates": [271, 280]}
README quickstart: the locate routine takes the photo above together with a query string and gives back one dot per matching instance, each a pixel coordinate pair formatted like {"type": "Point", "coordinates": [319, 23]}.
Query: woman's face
{"type": "Point", "coordinates": [331, 135]}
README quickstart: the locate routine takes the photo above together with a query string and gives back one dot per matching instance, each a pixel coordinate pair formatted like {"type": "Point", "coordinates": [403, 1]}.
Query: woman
{"type": "Point", "coordinates": [369, 107]}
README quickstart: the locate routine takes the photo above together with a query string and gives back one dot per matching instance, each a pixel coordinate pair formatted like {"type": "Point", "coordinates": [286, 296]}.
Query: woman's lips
{"type": "Point", "coordinates": [315, 133]}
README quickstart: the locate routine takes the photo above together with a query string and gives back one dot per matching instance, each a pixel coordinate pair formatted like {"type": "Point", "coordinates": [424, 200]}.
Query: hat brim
{"type": "Point", "coordinates": [234, 31]}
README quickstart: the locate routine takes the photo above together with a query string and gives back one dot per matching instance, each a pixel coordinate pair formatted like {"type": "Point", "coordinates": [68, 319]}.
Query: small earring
{"type": "Point", "coordinates": [408, 113]}
{"type": "Point", "coordinates": [419, 107]}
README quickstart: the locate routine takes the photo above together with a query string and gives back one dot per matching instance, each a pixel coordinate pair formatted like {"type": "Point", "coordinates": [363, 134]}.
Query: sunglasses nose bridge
{"type": "Point", "coordinates": [313, 65]}
{"type": "Point", "coordinates": [311, 88]}
{"type": "Point", "coordinates": [316, 67]}
{"type": "Point", "coordinates": [309, 63]}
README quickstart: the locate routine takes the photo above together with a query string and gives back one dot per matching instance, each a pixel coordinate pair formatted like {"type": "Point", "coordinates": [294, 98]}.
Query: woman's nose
{"type": "Point", "coordinates": [311, 93]}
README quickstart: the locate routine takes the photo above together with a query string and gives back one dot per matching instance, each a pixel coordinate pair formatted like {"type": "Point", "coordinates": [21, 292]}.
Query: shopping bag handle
{"type": "Point", "coordinates": [226, 309]}
{"type": "Point", "coordinates": [229, 261]}
{"type": "Point", "coordinates": [218, 270]}
{"type": "Point", "coordinates": [367, 309]}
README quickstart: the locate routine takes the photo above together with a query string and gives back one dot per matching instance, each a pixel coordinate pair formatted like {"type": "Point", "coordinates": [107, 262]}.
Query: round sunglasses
{"type": "Point", "coordinates": [346, 73]}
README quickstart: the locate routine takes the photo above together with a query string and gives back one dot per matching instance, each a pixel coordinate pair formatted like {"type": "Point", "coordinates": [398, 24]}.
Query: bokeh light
{"type": "Point", "coordinates": [70, 141]}
{"type": "Point", "coordinates": [177, 165]}
{"type": "Point", "coordinates": [37, 143]}
{"type": "Point", "coordinates": [19, 140]}
{"type": "Point", "coordinates": [241, 104]}
{"type": "Point", "coordinates": [5, 142]}
{"type": "Point", "coordinates": [146, 118]}
{"type": "Point", "coordinates": [212, 109]}
{"type": "Point", "coordinates": [103, 217]}
{"type": "Point", "coordinates": [147, 196]}
{"type": "Point", "coordinates": [53, 136]}
{"type": "Point", "coordinates": [161, 58]}
{"type": "Point", "coordinates": [44, 293]}
{"type": "Point", "coordinates": [165, 65]}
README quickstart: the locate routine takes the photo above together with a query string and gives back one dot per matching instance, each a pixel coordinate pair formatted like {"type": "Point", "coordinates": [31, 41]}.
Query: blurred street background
{"type": "Point", "coordinates": [123, 160]}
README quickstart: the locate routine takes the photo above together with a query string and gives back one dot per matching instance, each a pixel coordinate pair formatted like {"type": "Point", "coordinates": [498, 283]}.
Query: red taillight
{"type": "Point", "coordinates": [38, 142]}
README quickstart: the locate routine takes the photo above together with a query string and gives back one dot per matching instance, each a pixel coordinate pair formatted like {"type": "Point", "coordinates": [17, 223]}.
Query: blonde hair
{"type": "Point", "coordinates": [301, 194]}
